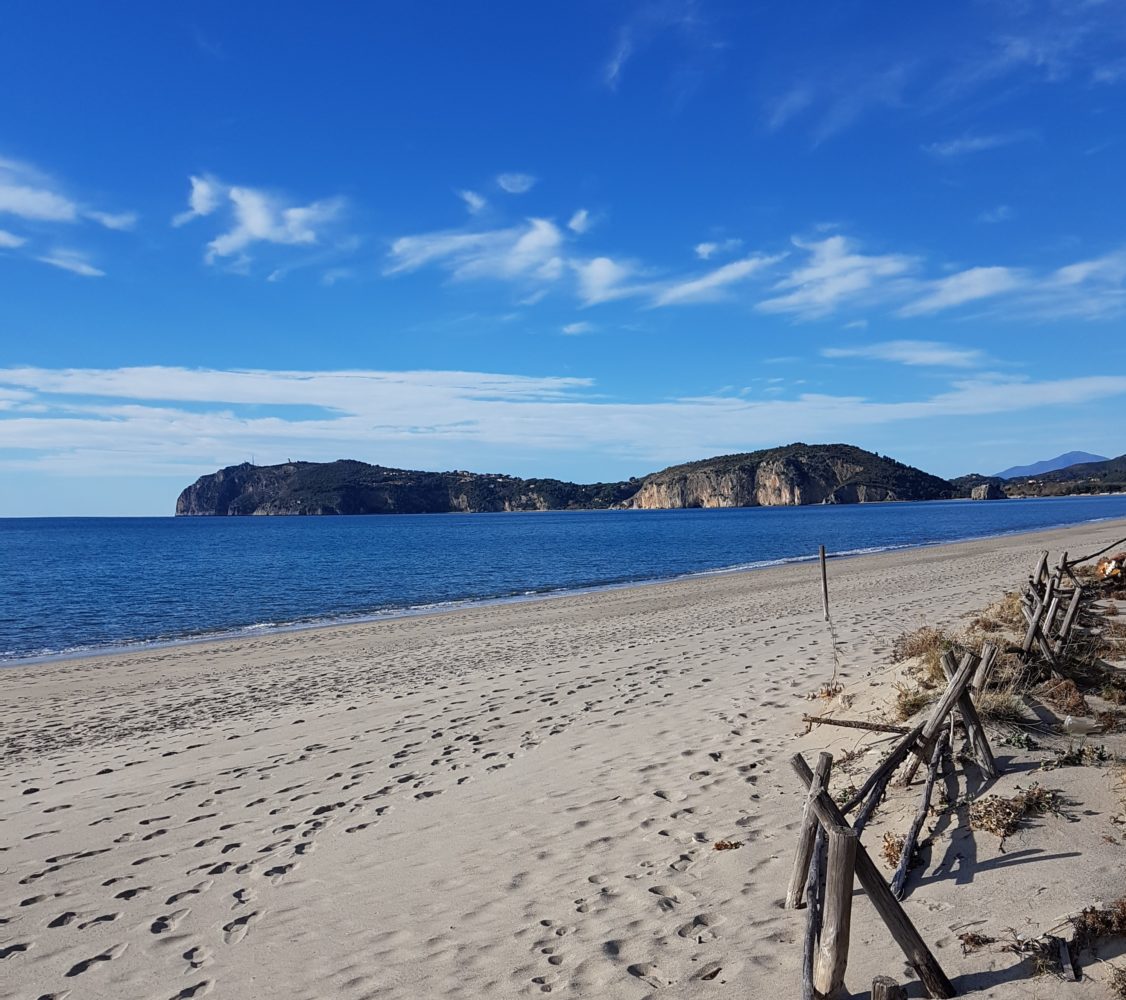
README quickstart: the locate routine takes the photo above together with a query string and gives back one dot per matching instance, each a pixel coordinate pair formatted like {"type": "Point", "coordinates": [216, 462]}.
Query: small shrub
{"type": "Point", "coordinates": [927, 645]}
{"type": "Point", "coordinates": [1001, 706]}
{"type": "Point", "coordinates": [909, 701]}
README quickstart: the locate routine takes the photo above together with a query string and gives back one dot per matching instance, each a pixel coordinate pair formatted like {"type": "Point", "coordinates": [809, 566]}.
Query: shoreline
{"type": "Point", "coordinates": [497, 799]}
{"type": "Point", "coordinates": [245, 632]}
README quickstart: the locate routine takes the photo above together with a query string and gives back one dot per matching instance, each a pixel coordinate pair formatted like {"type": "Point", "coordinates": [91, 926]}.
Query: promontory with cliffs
{"type": "Point", "coordinates": [791, 475]}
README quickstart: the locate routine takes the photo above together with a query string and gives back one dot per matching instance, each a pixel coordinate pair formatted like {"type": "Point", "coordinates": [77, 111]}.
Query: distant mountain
{"type": "Point", "coordinates": [1107, 476]}
{"type": "Point", "coordinates": [1050, 465]}
{"type": "Point", "coordinates": [792, 475]}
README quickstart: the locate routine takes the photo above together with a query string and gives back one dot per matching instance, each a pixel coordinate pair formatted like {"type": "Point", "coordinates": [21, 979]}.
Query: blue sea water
{"type": "Point", "coordinates": [71, 585]}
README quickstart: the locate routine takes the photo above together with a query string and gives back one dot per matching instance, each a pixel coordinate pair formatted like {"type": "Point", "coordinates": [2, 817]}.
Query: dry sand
{"type": "Point", "coordinates": [511, 800]}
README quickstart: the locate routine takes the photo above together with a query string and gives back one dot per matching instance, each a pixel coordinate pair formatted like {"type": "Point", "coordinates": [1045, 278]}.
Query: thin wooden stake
{"type": "Point", "coordinates": [877, 781]}
{"type": "Point", "coordinates": [1069, 619]}
{"type": "Point", "coordinates": [950, 696]}
{"type": "Point", "coordinates": [900, 879]}
{"type": "Point", "coordinates": [873, 727]}
{"type": "Point", "coordinates": [832, 954]}
{"type": "Point", "coordinates": [1041, 565]}
{"type": "Point", "coordinates": [806, 836]}
{"type": "Point", "coordinates": [814, 892]}
{"type": "Point", "coordinates": [824, 580]}
{"type": "Point", "coordinates": [972, 721]}
{"type": "Point", "coordinates": [888, 907]}
{"type": "Point", "coordinates": [984, 669]}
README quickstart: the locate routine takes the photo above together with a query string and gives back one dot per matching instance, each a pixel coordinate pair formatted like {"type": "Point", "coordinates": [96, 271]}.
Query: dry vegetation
{"type": "Point", "coordinates": [892, 848]}
{"type": "Point", "coordinates": [1002, 816]}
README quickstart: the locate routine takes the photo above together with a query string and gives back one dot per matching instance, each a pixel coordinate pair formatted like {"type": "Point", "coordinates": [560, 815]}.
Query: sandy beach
{"type": "Point", "coordinates": [505, 801]}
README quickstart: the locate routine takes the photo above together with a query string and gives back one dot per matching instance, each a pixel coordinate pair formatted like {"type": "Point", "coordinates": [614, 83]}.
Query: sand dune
{"type": "Point", "coordinates": [505, 801]}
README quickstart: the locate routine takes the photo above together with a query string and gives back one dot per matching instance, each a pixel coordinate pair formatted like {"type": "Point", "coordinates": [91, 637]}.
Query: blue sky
{"type": "Point", "coordinates": [576, 239]}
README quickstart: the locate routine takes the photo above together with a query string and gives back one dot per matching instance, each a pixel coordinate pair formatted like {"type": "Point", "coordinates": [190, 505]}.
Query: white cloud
{"type": "Point", "coordinates": [9, 241]}
{"type": "Point", "coordinates": [928, 353]}
{"type": "Point", "coordinates": [145, 421]}
{"type": "Point", "coordinates": [579, 222]}
{"type": "Point", "coordinates": [966, 286]}
{"type": "Point", "coordinates": [205, 196]}
{"type": "Point", "coordinates": [474, 203]}
{"type": "Point", "coordinates": [976, 143]}
{"type": "Point", "coordinates": [574, 329]}
{"type": "Point", "coordinates": [113, 220]}
{"type": "Point", "coordinates": [835, 274]}
{"type": "Point", "coordinates": [262, 218]}
{"type": "Point", "coordinates": [515, 183]}
{"type": "Point", "coordinates": [603, 279]}
{"type": "Point", "coordinates": [706, 251]}
{"type": "Point", "coordinates": [73, 261]}
{"type": "Point", "coordinates": [29, 194]}
{"type": "Point", "coordinates": [256, 216]}
{"type": "Point", "coordinates": [529, 251]}
{"type": "Point", "coordinates": [711, 286]}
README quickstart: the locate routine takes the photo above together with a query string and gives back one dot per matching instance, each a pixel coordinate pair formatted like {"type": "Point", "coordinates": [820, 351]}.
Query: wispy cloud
{"type": "Point", "coordinates": [73, 261]}
{"type": "Point", "coordinates": [256, 216]}
{"type": "Point", "coordinates": [475, 204]}
{"type": "Point", "coordinates": [580, 222]}
{"type": "Point", "coordinates": [712, 286]}
{"type": "Point", "coordinates": [142, 421]}
{"type": "Point", "coordinates": [836, 273]}
{"type": "Point", "coordinates": [515, 183]}
{"type": "Point", "coordinates": [710, 249]}
{"type": "Point", "coordinates": [42, 205]}
{"type": "Point", "coordinates": [525, 252]}
{"type": "Point", "coordinates": [921, 353]}
{"type": "Point", "coordinates": [576, 329]}
{"type": "Point", "coordinates": [965, 286]}
{"type": "Point", "coordinates": [681, 20]}
{"type": "Point", "coordinates": [966, 144]}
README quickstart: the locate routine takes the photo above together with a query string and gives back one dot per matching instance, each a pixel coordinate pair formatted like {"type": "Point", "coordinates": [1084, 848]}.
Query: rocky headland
{"type": "Point", "coordinates": [788, 476]}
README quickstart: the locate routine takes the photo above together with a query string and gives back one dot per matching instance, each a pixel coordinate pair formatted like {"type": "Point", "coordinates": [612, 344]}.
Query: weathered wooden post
{"type": "Point", "coordinates": [824, 580]}
{"type": "Point", "coordinates": [836, 920]}
{"type": "Point", "coordinates": [900, 878]}
{"type": "Point", "coordinates": [974, 728]}
{"type": "Point", "coordinates": [886, 988]}
{"type": "Point", "coordinates": [807, 834]}
{"type": "Point", "coordinates": [950, 696]}
{"type": "Point", "coordinates": [888, 907]}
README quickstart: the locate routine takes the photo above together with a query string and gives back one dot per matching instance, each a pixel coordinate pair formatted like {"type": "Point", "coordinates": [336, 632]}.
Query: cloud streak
{"type": "Point", "coordinates": [144, 420]}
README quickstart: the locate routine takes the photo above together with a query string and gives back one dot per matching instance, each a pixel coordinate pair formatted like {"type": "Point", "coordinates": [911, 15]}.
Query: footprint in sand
{"type": "Point", "coordinates": [647, 972]}
{"type": "Point", "coordinates": [169, 921]}
{"type": "Point", "coordinates": [194, 890]}
{"type": "Point", "coordinates": [106, 956]}
{"type": "Point", "coordinates": [236, 930]}
{"type": "Point", "coordinates": [198, 957]}
{"type": "Point", "coordinates": [198, 990]}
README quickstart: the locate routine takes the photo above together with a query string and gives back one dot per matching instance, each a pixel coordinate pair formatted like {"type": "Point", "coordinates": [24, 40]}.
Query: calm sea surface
{"type": "Point", "coordinates": [80, 584]}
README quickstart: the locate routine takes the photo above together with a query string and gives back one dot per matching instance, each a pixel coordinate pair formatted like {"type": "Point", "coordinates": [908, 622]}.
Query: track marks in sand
{"type": "Point", "coordinates": [115, 951]}
{"type": "Point", "coordinates": [237, 929]}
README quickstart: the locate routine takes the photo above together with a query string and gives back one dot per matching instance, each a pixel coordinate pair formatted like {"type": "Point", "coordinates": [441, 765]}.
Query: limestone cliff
{"type": "Point", "coordinates": [795, 474]}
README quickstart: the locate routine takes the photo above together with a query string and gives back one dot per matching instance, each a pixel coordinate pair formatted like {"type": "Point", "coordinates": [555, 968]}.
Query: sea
{"type": "Point", "coordinates": [73, 586]}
